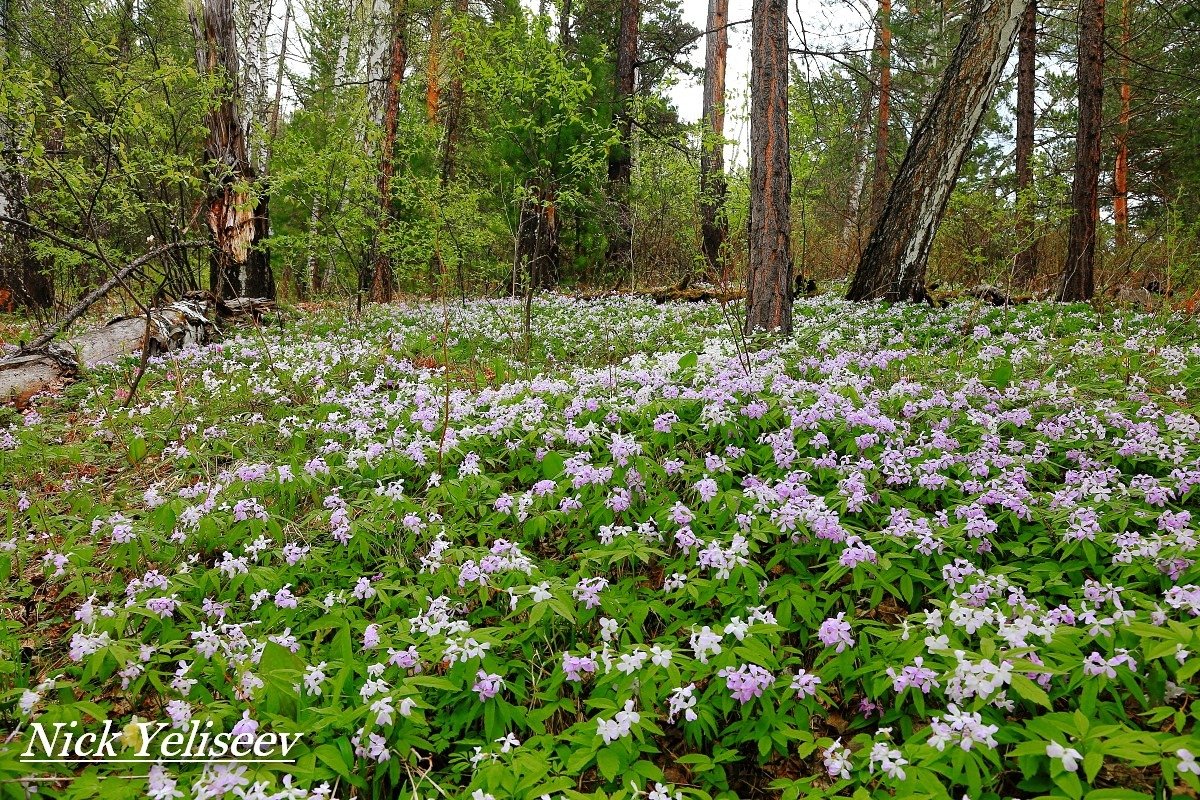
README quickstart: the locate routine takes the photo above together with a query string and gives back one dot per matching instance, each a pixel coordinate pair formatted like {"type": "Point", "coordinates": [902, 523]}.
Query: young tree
{"type": "Point", "coordinates": [894, 261]}
{"type": "Point", "coordinates": [1026, 264]}
{"type": "Point", "coordinates": [1078, 282]}
{"type": "Point", "coordinates": [713, 224]}
{"type": "Point", "coordinates": [237, 208]}
{"type": "Point", "coordinates": [769, 283]}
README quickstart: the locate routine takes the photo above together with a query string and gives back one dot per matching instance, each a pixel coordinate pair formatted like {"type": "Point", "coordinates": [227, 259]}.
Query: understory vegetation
{"type": "Point", "coordinates": [624, 552]}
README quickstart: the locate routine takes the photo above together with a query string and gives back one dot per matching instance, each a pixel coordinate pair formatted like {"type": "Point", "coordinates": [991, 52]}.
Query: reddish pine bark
{"type": "Point", "coordinates": [769, 283]}
{"type": "Point", "coordinates": [1078, 281]}
{"type": "Point", "coordinates": [879, 181]}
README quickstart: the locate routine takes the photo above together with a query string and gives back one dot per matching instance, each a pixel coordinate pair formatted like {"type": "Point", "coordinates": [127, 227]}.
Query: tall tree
{"type": "Point", "coordinates": [1121, 169]}
{"type": "Point", "coordinates": [620, 158]}
{"type": "Point", "coordinates": [714, 225]}
{"type": "Point", "coordinates": [1078, 282]}
{"type": "Point", "coordinates": [384, 279]}
{"type": "Point", "coordinates": [861, 140]}
{"type": "Point", "coordinates": [237, 207]}
{"type": "Point", "coordinates": [879, 181]}
{"type": "Point", "coordinates": [454, 103]}
{"type": "Point", "coordinates": [769, 283]}
{"type": "Point", "coordinates": [894, 261]}
{"type": "Point", "coordinates": [23, 278]}
{"type": "Point", "coordinates": [433, 86]}
{"type": "Point", "coordinates": [1026, 263]}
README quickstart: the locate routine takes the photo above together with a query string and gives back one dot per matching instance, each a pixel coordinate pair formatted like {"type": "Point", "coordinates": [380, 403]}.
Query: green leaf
{"type": "Point", "coordinates": [609, 764]}
{"type": "Point", "coordinates": [552, 465]}
{"type": "Point", "coordinates": [1031, 691]}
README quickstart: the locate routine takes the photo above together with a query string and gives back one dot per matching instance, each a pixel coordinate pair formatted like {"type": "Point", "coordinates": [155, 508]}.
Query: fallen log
{"type": "Point", "coordinates": [191, 320]}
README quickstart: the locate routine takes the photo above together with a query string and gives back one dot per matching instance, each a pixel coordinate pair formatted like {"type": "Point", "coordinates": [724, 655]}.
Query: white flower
{"type": "Point", "coordinates": [1187, 762]}
{"type": "Point", "coordinates": [1069, 755]}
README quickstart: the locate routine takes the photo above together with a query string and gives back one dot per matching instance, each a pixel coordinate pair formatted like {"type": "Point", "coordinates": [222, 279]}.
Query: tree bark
{"type": "Point", "coordinates": [714, 226]}
{"type": "Point", "coordinates": [24, 279]}
{"type": "Point", "coordinates": [879, 180]}
{"type": "Point", "coordinates": [769, 283]}
{"type": "Point", "coordinates": [851, 225]}
{"type": "Point", "coordinates": [191, 320]}
{"type": "Point", "coordinates": [1078, 282]}
{"type": "Point", "coordinates": [237, 209]}
{"type": "Point", "coordinates": [433, 86]}
{"type": "Point", "coordinates": [383, 279]}
{"type": "Point", "coordinates": [454, 104]}
{"type": "Point", "coordinates": [1025, 269]}
{"type": "Point", "coordinates": [537, 253]}
{"type": "Point", "coordinates": [1121, 170]}
{"type": "Point", "coordinates": [897, 252]}
{"type": "Point", "coordinates": [620, 159]}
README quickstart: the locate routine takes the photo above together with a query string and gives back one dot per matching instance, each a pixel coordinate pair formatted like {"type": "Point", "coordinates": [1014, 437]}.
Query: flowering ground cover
{"type": "Point", "coordinates": [907, 552]}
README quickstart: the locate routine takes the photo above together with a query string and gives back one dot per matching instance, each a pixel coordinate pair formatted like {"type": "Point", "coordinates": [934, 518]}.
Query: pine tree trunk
{"type": "Point", "coordinates": [237, 212]}
{"type": "Point", "coordinates": [24, 280]}
{"type": "Point", "coordinates": [620, 159]}
{"type": "Point", "coordinates": [454, 105]}
{"type": "Point", "coordinates": [1025, 269]}
{"type": "Point", "coordinates": [897, 252]}
{"type": "Point", "coordinates": [433, 87]}
{"type": "Point", "coordinates": [769, 283]}
{"type": "Point", "coordinates": [879, 181]}
{"type": "Point", "coordinates": [383, 278]}
{"type": "Point", "coordinates": [1121, 170]}
{"type": "Point", "coordinates": [564, 25]}
{"type": "Point", "coordinates": [1078, 282]}
{"type": "Point", "coordinates": [714, 226]}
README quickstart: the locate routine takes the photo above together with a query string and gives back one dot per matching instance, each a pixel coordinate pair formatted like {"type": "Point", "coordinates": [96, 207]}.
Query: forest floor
{"type": "Point", "coordinates": [906, 552]}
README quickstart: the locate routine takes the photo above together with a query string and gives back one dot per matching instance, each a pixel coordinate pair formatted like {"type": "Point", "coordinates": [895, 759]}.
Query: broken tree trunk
{"type": "Point", "coordinates": [192, 320]}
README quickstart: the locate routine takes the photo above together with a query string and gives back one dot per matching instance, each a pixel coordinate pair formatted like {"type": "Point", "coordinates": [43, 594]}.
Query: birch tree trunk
{"type": "Point", "coordinates": [769, 283]}
{"type": "Point", "coordinates": [1025, 269]}
{"type": "Point", "coordinates": [1078, 282]}
{"type": "Point", "coordinates": [897, 253]}
{"type": "Point", "coordinates": [384, 279]}
{"type": "Point", "coordinates": [714, 226]}
{"type": "Point", "coordinates": [237, 208]}
{"type": "Point", "coordinates": [852, 225]}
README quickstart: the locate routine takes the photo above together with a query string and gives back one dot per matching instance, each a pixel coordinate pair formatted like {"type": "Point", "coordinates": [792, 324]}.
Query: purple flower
{"type": "Point", "coordinates": [488, 685]}
{"type": "Point", "coordinates": [835, 632]}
